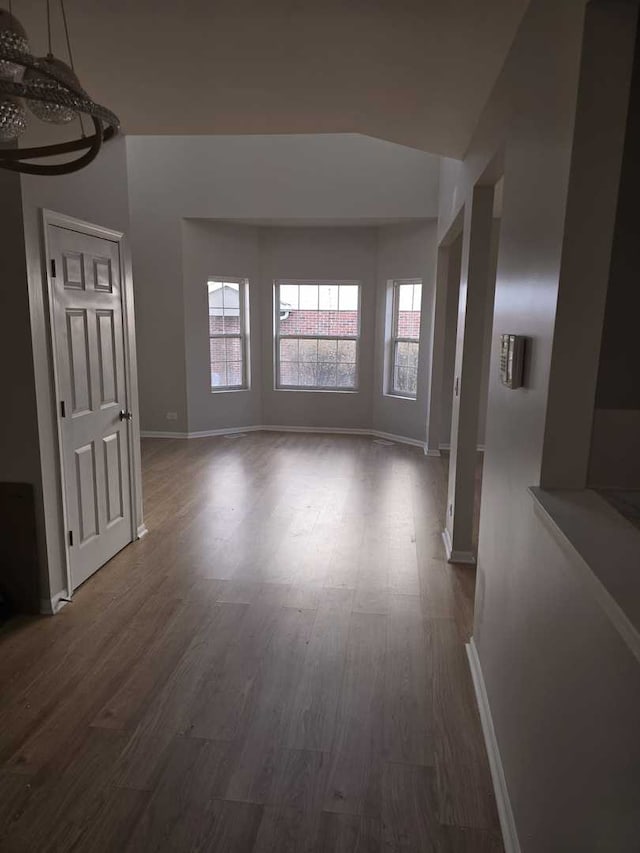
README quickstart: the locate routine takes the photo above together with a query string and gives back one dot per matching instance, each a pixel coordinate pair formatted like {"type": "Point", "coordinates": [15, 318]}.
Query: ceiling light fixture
{"type": "Point", "coordinates": [49, 89]}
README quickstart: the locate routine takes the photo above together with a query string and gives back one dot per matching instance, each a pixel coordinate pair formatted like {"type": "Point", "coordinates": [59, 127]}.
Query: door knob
{"type": "Point", "coordinates": [125, 416]}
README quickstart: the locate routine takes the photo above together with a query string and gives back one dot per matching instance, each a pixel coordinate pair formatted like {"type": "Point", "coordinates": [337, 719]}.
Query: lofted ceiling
{"type": "Point", "coordinates": [415, 72]}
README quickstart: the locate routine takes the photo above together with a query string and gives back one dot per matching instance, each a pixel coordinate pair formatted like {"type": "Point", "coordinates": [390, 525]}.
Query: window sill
{"type": "Point", "coordinates": [400, 397]}
{"type": "Point", "coordinates": [228, 390]}
{"type": "Point", "coordinates": [608, 550]}
{"type": "Point", "coordinates": [319, 390]}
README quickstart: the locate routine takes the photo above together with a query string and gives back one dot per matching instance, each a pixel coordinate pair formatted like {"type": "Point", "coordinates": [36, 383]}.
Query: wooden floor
{"type": "Point", "coordinates": [278, 666]}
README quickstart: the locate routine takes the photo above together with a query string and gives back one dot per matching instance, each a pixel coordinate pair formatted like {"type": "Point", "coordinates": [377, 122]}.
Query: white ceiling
{"type": "Point", "coordinates": [416, 72]}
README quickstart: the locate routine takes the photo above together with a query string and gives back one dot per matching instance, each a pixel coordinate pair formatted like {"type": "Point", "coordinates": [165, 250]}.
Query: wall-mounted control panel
{"type": "Point", "coordinates": [512, 360]}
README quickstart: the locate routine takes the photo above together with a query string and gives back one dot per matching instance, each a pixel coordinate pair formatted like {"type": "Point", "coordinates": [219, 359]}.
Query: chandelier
{"type": "Point", "coordinates": [49, 89]}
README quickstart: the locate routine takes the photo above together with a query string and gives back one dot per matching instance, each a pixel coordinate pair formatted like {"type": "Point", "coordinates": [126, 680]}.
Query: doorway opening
{"type": "Point", "coordinates": [469, 388]}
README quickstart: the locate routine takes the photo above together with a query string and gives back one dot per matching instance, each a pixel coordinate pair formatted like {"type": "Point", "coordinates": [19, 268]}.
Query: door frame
{"type": "Point", "coordinates": [61, 220]}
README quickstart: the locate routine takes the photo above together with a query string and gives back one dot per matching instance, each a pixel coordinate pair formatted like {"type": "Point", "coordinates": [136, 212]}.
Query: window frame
{"type": "Point", "coordinates": [277, 336]}
{"type": "Point", "coordinates": [242, 335]}
{"type": "Point", "coordinates": [395, 339]}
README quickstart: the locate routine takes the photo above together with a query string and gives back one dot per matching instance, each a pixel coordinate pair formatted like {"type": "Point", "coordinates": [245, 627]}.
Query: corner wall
{"type": "Point", "coordinates": [318, 179]}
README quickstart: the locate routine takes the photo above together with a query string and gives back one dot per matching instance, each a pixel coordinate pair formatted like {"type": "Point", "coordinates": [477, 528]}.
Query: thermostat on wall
{"type": "Point", "coordinates": [512, 360]}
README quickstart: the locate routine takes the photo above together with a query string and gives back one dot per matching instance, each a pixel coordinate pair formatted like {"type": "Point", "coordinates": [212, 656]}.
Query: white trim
{"type": "Point", "coordinates": [587, 576]}
{"type": "Point", "coordinates": [51, 606]}
{"type": "Point", "coordinates": [207, 433]}
{"type": "Point", "coordinates": [447, 447]}
{"type": "Point", "coordinates": [446, 541]}
{"type": "Point", "coordinates": [505, 813]}
{"type": "Point", "coordinates": [400, 439]}
{"type": "Point", "coordinates": [142, 531]}
{"type": "Point", "coordinates": [466, 557]}
{"type": "Point", "coordinates": [434, 453]}
{"type": "Point", "coordinates": [149, 433]}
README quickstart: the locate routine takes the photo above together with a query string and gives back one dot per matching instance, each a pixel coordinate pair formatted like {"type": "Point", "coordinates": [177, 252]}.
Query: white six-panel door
{"type": "Point", "coordinates": [88, 337]}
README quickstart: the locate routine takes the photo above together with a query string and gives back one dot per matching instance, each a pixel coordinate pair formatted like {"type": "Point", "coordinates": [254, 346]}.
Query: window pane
{"type": "Point", "coordinates": [406, 381]}
{"type": "Point", "coordinates": [308, 374]}
{"type": "Point", "coordinates": [217, 349]}
{"type": "Point", "coordinates": [346, 375]}
{"type": "Point", "coordinates": [308, 297]}
{"type": "Point", "coordinates": [289, 296]}
{"type": "Point", "coordinates": [408, 310]}
{"type": "Point", "coordinates": [289, 350]}
{"type": "Point", "coordinates": [407, 355]}
{"type": "Point", "coordinates": [405, 297]}
{"type": "Point", "coordinates": [339, 323]}
{"type": "Point", "coordinates": [347, 351]}
{"type": "Point", "coordinates": [231, 323]}
{"type": "Point", "coordinates": [289, 373]}
{"type": "Point", "coordinates": [234, 349]}
{"type": "Point", "coordinates": [327, 375]}
{"type": "Point", "coordinates": [218, 374]}
{"type": "Point", "coordinates": [328, 297]}
{"type": "Point", "coordinates": [234, 373]}
{"type": "Point", "coordinates": [299, 322]}
{"type": "Point", "coordinates": [328, 351]}
{"type": "Point", "coordinates": [308, 351]}
{"type": "Point", "coordinates": [417, 297]}
{"type": "Point", "coordinates": [348, 297]}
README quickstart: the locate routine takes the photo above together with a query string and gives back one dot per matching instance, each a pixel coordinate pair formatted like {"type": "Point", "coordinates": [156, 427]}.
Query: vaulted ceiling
{"type": "Point", "coordinates": [416, 72]}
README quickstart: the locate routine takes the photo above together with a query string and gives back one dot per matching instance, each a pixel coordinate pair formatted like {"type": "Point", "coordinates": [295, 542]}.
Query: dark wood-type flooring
{"type": "Point", "coordinates": [278, 666]}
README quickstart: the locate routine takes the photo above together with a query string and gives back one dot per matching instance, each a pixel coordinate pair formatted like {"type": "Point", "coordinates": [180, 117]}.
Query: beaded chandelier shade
{"type": "Point", "coordinates": [49, 90]}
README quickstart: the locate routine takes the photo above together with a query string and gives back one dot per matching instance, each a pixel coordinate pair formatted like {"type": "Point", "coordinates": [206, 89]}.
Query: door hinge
{"type": "Point", "coordinates": [71, 538]}
{"type": "Point", "coordinates": [53, 267]}
{"type": "Point", "coordinates": [63, 412]}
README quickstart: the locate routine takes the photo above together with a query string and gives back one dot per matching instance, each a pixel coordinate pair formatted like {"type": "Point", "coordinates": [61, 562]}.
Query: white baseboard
{"type": "Point", "coordinates": [400, 439]}
{"type": "Point", "coordinates": [432, 452]}
{"type": "Point", "coordinates": [150, 433]}
{"type": "Point", "coordinates": [51, 606]}
{"type": "Point", "coordinates": [446, 541]}
{"type": "Point", "coordinates": [466, 557]}
{"type": "Point", "coordinates": [209, 433]}
{"type": "Point", "coordinates": [447, 447]}
{"type": "Point", "coordinates": [505, 813]}
{"type": "Point", "coordinates": [142, 531]}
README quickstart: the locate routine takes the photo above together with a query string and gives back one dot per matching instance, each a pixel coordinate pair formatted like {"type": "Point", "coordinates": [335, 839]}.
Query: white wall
{"type": "Point", "coordinates": [340, 178]}
{"type": "Point", "coordinates": [264, 254]}
{"type": "Point", "coordinates": [563, 688]}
